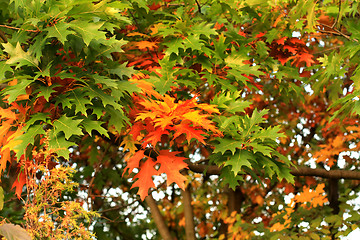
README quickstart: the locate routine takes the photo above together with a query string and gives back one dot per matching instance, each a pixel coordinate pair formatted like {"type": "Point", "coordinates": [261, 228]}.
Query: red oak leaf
{"type": "Point", "coordinates": [295, 40]}
{"type": "Point", "coordinates": [291, 49]}
{"type": "Point", "coordinates": [281, 41]}
{"type": "Point", "coordinates": [171, 165]}
{"type": "Point", "coordinates": [144, 176]}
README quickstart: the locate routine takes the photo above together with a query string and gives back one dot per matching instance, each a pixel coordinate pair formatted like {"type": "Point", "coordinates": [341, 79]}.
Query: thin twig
{"type": "Point", "coordinates": [338, 16]}
{"type": "Point", "coordinates": [3, 37]}
{"type": "Point", "coordinates": [336, 32]}
{"type": "Point", "coordinates": [198, 5]}
{"type": "Point", "coordinates": [15, 28]}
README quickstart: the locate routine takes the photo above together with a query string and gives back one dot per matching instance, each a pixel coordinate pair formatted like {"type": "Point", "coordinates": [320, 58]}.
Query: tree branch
{"type": "Point", "coordinates": [332, 174]}
{"type": "Point", "coordinates": [296, 171]}
{"type": "Point", "coordinates": [158, 218]}
{"type": "Point", "coordinates": [189, 215]}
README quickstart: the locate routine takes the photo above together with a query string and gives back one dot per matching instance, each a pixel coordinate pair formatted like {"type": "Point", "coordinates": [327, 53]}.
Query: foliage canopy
{"type": "Point", "coordinates": [240, 117]}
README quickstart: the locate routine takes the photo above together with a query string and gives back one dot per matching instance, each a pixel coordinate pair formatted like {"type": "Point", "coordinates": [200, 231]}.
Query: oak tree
{"type": "Point", "coordinates": [179, 119]}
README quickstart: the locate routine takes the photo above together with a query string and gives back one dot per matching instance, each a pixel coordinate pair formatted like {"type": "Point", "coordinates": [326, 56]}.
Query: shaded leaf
{"type": "Point", "coordinates": [14, 232]}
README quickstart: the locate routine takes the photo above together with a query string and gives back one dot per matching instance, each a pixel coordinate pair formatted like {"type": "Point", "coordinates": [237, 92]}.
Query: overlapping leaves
{"type": "Point", "coordinates": [247, 145]}
{"type": "Point", "coordinates": [155, 121]}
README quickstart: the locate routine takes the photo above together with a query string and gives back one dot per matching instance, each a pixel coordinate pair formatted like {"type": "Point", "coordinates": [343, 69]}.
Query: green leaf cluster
{"type": "Point", "coordinates": [247, 145]}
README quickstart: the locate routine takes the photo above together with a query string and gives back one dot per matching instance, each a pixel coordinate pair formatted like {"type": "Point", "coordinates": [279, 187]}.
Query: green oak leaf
{"type": "Point", "coordinates": [19, 56]}
{"type": "Point", "coordinates": [117, 118]}
{"type": "Point", "coordinates": [109, 46]}
{"type": "Point", "coordinates": [266, 150]}
{"type": "Point", "coordinates": [16, 90]}
{"type": "Point", "coordinates": [105, 81]}
{"type": "Point", "coordinates": [90, 125]}
{"type": "Point", "coordinates": [69, 126]}
{"type": "Point", "coordinates": [226, 144]}
{"type": "Point", "coordinates": [193, 42]}
{"type": "Point", "coordinates": [95, 92]}
{"type": "Point", "coordinates": [88, 31]}
{"type": "Point", "coordinates": [166, 80]}
{"type": "Point", "coordinates": [268, 133]}
{"type": "Point", "coordinates": [59, 144]}
{"type": "Point", "coordinates": [59, 31]}
{"type": "Point", "coordinates": [256, 118]}
{"type": "Point", "coordinates": [28, 137]}
{"type": "Point", "coordinates": [79, 99]}
{"type": "Point", "coordinates": [4, 67]}
{"type": "Point", "coordinates": [238, 160]}
{"type": "Point", "coordinates": [36, 117]}
{"type": "Point", "coordinates": [228, 177]}
{"type": "Point", "coordinates": [237, 106]}
{"type": "Point", "coordinates": [46, 91]}
{"type": "Point", "coordinates": [121, 70]}
{"type": "Point", "coordinates": [174, 45]}
{"type": "Point", "coordinates": [204, 29]}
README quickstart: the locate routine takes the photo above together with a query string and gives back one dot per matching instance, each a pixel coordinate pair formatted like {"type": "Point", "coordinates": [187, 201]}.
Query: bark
{"type": "Point", "coordinates": [299, 171]}
{"type": "Point", "coordinates": [158, 218]}
{"type": "Point", "coordinates": [333, 195]}
{"type": "Point", "coordinates": [235, 200]}
{"type": "Point", "coordinates": [332, 174]}
{"type": "Point", "coordinates": [189, 215]}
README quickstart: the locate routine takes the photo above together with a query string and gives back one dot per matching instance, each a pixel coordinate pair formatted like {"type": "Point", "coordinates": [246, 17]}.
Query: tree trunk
{"type": "Point", "coordinates": [189, 215]}
{"type": "Point", "coordinates": [158, 218]}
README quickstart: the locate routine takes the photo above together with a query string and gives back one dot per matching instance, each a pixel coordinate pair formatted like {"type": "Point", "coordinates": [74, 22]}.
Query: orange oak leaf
{"type": "Point", "coordinates": [200, 120]}
{"type": "Point", "coordinates": [136, 129]}
{"type": "Point", "coordinates": [7, 113]}
{"type": "Point", "coordinates": [11, 143]}
{"type": "Point", "coordinates": [133, 161]}
{"type": "Point", "coordinates": [145, 45]}
{"type": "Point", "coordinates": [165, 121]}
{"type": "Point", "coordinates": [291, 49]}
{"type": "Point", "coordinates": [154, 137]}
{"type": "Point", "coordinates": [129, 143]}
{"type": "Point", "coordinates": [316, 196]}
{"type": "Point", "coordinates": [305, 57]}
{"type": "Point", "coordinates": [189, 131]}
{"type": "Point", "coordinates": [171, 165]}
{"type": "Point", "coordinates": [144, 178]}
{"type": "Point", "coordinates": [19, 183]}
{"type": "Point", "coordinates": [4, 129]}
{"type": "Point", "coordinates": [5, 157]}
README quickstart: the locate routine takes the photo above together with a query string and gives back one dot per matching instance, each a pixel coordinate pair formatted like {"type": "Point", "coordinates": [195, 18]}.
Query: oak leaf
{"type": "Point", "coordinates": [171, 165]}
{"type": "Point", "coordinates": [145, 45]}
{"type": "Point", "coordinates": [305, 57]}
{"type": "Point", "coordinates": [190, 132]}
{"type": "Point", "coordinates": [133, 161]}
{"type": "Point", "coordinates": [19, 183]}
{"type": "Point", "coordinates": [144, 178]}
{"type": "Point", "coordinates": [154, 137]}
